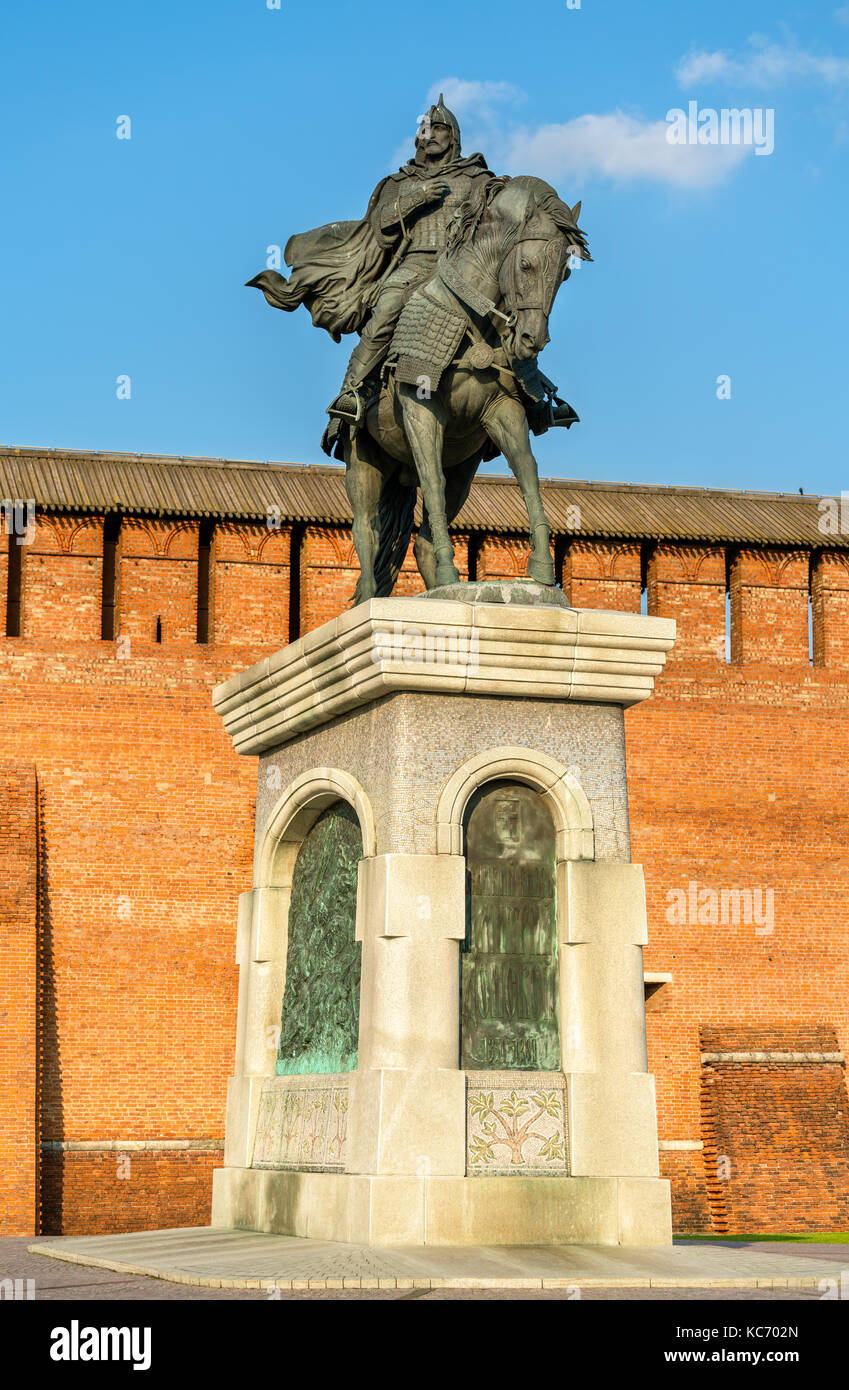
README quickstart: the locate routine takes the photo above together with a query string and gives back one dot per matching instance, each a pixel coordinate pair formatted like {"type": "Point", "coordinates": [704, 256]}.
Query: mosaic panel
{"type": "Point", "coordinates": [302, 1123]}
{"type": "Point", "coordinates": [516, 1124]}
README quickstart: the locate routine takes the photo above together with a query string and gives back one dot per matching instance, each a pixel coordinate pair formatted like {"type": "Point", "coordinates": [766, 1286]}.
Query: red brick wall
{"type": "Point", "coordinates": [125, 1190]}
{"type": "Point", "coordinates": [158, 579]}
{"type": "Point", "coordinates": [687, 583]}
{"type": "Point", "coordinates": [503, 557]}
{"type": "Point", "coordinates": [62, 578]}
{"type": "Point", "coordinates": [736, 781]}
{"type": "Point", "coordinates": [329, 571]}
{"type": "Point", "coordinates": [251, 591]}
{"type": "Point", "coordinates": [18, 954]}
{"type": "Point", "coordinates": [148, 832]}
{"type": "Point", "coordinates": [4, 578]}
{"type": "Point", "coordinates": [782, 1131]}
{"type": "Point", "coordinates": [603, 574]}
{"type": "Point", "coordinates": [830, 604]}
{"type": "Point", "coordinates": [769, 607]}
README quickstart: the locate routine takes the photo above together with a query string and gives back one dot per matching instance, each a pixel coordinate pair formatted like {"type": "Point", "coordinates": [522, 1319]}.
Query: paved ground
{"type": "Point", "coordinates": [261, 1266]}
{"type": "Point", "coordinates": [63, 1281]}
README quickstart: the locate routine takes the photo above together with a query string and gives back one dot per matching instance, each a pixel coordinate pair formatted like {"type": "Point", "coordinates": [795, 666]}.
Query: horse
{"type": "Point", "coordinates": [507, 255]}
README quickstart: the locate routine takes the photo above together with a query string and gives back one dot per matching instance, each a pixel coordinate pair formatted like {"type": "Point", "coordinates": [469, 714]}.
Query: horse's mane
{"type": "Point", "coordinates": [465, 221]}
{"type": "Point", "coordinates": [542, 198]}
{"type": "Point", "coordinates": [562, 216]}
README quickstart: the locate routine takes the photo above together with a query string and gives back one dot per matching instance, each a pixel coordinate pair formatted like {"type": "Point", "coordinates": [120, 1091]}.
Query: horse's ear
{"type": "Point", "coordinates": [576, 212]}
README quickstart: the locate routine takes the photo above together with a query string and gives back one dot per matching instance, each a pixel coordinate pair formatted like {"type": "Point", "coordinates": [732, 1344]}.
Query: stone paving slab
{"type": "Point", "coordinates": [228, 1259]}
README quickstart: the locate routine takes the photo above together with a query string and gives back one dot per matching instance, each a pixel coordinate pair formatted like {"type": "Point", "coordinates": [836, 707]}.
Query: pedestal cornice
{"type": "Point", "coordinates": [442, 646]}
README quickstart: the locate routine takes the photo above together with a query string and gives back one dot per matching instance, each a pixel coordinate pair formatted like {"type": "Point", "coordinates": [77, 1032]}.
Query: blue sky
{"type": "Point", "coordinates": [247, 124]}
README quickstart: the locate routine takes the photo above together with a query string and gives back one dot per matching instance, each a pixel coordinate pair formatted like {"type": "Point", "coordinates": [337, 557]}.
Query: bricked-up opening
{"type": "Point", "coordinates": [296, 546]}
{"type": "Point", "coordinates": [14, 586]}
{"type": "Point", "coordinates": [814, 644]}
{"type": "Point", "coordinates": [205, 535]}
{"type": "Point", "coordinates": [817, 610]}
{"type": "Point", "coordinates": [561, 547]}
{"type": "Point", "coordinates": [476, 540]}
{"type": "Point", "coordinates": [733, 606]}
{"type": "Point", "coordinates": [648, 588]}
{"type": "Point", "coordinates": [109, 587]}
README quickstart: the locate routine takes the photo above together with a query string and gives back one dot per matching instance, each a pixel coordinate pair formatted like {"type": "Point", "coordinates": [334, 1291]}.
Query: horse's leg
{"type": "Point", "coordinates": [507, 426]}
{"type": "Point", "coordinates": [423, 551]}
{"type": "Point", "coordinates": [424, 427]}
{"type": "Point", "coordinates": [458, 481]}
{"type": "Point", "coordinates": [363, 482]}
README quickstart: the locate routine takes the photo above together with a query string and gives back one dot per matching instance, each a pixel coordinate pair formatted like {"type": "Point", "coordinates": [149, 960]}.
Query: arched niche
{"type": "Point", "coordinates": [510, 1016]}
{"type": "Point", "coordinates": [565, 797]}
{"type": "Point", "coordinates": [265, 959]}
{"type": "Point", "coordinates": [320, 1010]}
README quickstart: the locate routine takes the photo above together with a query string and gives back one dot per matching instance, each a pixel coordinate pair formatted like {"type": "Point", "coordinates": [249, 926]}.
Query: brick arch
{"type": "Point", "coordinates": [566, 799]}
{"type": "Point", "coordinates": [768, 566]}
{"type": "Point", "coordinates": [593, 559]}
{"type": "Point", "coordinates": [57, 532]}
{"type": "Point", "coordinates": [621, 552]}
{"type": "Point", "coordinates": [176, 530]}
{"type": "Point", "coordinates": [791, 558]}
{"type": "Point", "coordinates": [86, 523]}
{"type": "Point", "coordinates": [702, 557]}
{"type": "Point", "coordinates": [677, 556]}
{"type": "Point", "coordinates": [138, 526]}
{"type": "Point", "coordinates": [509, 555]}
{"type": "Point", "coordinates": [270, 540]}
{"type": "Point", "coordinates": [336, 538]}
{"type": "Point", "coordinates": [349, 558]}
{"type": "Point", "coordinates": [235, 533]}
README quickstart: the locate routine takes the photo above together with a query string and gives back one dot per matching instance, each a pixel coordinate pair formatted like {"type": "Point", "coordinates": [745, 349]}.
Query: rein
{"type": "Point", "coordinates": [469, 294]}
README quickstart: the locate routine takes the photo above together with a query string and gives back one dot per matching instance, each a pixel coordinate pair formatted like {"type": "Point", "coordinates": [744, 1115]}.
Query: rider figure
{"type": "Point", "coordinates": [410, 214]}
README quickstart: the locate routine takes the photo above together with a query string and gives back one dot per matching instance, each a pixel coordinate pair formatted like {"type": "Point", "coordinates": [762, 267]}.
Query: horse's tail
{"type": "Point", "coordinates": [396, 513]}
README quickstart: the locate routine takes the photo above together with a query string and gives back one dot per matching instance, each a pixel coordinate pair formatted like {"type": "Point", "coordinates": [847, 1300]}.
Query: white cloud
{"type": "Point", "coordinates": [621, 148]}
{"type": "Point", "coordinates": [479, 99]}
{"type": "Point", "coordinates": [765, 64]}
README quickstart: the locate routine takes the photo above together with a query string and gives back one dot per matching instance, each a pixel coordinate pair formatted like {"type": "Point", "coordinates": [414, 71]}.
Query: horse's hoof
{"type": "Point", "coordinates": [541, 569]}
{"type": "Point", "coordinates": [446, 574]}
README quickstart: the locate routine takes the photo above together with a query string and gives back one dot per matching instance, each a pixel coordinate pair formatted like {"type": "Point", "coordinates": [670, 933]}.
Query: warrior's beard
{"type": "Point", "coordinates": [422, 160]}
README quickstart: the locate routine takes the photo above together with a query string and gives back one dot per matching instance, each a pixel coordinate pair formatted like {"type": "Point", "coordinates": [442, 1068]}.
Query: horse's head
{"type": "Point", "coordinates": [542, 236]}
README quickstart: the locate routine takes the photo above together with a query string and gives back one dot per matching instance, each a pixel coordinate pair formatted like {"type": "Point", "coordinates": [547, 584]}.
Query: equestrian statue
{"type": "Point", "coordinates": [449, 280]}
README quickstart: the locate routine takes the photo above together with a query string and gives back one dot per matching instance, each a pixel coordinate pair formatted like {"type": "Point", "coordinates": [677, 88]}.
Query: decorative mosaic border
{"type": "Point", "coordinates": [516, 1124]}
{"type": "Point", "coordinates": [302, 1123]}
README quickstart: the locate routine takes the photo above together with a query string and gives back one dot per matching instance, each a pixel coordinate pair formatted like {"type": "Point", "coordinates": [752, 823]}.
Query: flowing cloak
{"type": "Point", "coordinates": [337, 268]}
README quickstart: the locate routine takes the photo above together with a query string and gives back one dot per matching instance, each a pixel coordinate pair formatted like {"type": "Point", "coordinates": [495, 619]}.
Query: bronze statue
{"type": "Point", "coordinates": [449, 280]}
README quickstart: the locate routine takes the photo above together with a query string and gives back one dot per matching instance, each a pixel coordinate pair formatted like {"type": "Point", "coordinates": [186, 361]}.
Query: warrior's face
{"type": "Point", "coordinates": [433, 140]}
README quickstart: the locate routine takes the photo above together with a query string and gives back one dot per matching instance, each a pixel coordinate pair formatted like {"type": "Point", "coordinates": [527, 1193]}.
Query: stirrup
{"type": "Point", "coordinates": [348, 406]}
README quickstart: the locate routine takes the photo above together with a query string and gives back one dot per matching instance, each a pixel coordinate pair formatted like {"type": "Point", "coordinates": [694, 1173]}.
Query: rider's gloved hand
{"type": "Point", "coordinates": [436, 188]}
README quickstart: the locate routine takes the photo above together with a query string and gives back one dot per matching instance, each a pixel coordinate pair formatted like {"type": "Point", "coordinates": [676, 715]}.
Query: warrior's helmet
{"type": "Point", "coordinates": [440, 115]}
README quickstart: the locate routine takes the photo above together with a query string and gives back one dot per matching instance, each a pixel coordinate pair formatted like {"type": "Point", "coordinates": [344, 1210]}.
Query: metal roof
{"type": "Point", "coordinates": [146, 484]}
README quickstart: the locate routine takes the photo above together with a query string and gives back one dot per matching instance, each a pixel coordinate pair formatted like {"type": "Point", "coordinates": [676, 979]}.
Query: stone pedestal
{"type": "Point", "coordinates": [404, 708]}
